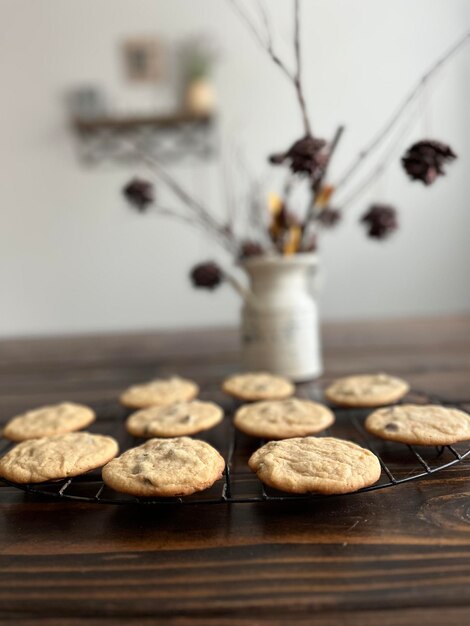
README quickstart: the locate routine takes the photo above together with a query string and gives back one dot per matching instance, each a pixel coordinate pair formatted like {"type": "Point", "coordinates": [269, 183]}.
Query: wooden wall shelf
{"type": "Point", "coordinates": [171, 137]}
{"type": "Point", "coordinates": [126, 123]}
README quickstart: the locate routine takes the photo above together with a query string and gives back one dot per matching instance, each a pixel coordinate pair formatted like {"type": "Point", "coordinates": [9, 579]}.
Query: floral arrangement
{"type": "Point", "coordinates": [275, 227]}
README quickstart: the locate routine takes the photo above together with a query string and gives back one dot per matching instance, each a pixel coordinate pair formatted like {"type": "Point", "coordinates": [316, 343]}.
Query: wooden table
{"type": "Point", "coordinates": [397, 556]}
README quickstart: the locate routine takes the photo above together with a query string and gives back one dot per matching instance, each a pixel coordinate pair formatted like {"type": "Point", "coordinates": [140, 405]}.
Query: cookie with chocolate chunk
{"type": "Point", "coordinates": [420, 424]}
{"type": "Point", "coordinates": [174, 420]}
{"type": "Point", "coordinates": [366, 390]}
{"type": "Point", "coordinates": [165, 468]}
{"type": "Point", "coordinates": [254, 386]}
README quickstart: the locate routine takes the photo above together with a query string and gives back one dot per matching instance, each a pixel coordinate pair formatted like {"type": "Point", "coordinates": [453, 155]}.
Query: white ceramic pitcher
{"type": "Point", "coordinates": [280, 324]}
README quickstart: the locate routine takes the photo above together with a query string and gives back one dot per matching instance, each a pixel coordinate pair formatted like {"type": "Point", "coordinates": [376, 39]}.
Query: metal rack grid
{"type": "Point", "coordinates": [400, 464]}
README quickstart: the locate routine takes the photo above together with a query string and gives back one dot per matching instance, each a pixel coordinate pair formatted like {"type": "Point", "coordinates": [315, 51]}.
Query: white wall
{"type": "Point", "coordinates": [73, 258]}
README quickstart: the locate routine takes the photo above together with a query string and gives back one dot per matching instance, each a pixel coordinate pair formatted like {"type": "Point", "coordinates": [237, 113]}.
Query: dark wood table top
{"type": "Point", "coordinates": [393, 556]}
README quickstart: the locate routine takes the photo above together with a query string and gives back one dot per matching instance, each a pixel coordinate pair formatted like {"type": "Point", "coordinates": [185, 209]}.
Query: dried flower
{"type": "Point", "coordinates": [292, 240]}
{"type": "Point", "coordinates": [275, 203]}
{"type": "Point", "coordinates": [206, 275]}
{"type": "Point", "coordinates": [425, 160]}
{"type": "Point", "coordinates": [281, 222]}
{"type": "Point", "coordinates": [381, 220]}
{"type": "Point", "coordinates": [324, 195]}
{"type": "Point", "coordinates": [329, 217]}
{"type": "Point", "coordinates": [250, 249]}
{"type": "Point", "coordinates": [305, 157]}
{"type": "Point", "coordinates": [139, 193]}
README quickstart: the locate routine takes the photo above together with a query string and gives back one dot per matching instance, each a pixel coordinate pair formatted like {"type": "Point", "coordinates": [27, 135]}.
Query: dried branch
{"type": "Point", "coordinates": [230, 195]}
{"type": "Point", "coordinates": [205, 217]}
{"type": "Point", "coordinates": [255, 207]}
{"type": "Point", "coordinates": [298, 58]}
{"type": "Point", "coordinates": [191, 220]}
{"type": "Point", "coordinates": [333, 145]}
{"type": "Point", "coordinates": [410, 98]}
{"type": "Point", "coordinates": [312, 212]}
{"type": "Point", "coordinates": [166, 212]}
{"type": "Point", "coordinates": [266, 42]}
{"type": "Point", "coordinates": [381, 165]}
{"type": "Point", "coordinates": [298, 72]}
{"type": "Point", "coordinates": [266, 21]}
{"type": "Point", "coordinates": [218, 230]}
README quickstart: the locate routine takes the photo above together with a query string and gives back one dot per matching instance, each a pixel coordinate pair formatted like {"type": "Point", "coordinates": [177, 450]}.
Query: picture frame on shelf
{"type": "Point", "coordinates": [142, 58]}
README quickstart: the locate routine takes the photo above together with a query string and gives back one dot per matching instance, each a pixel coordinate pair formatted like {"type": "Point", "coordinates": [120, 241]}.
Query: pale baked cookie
{"type": "Point", "coordinates": [281, 419]}
{"type": "Point", "coordinates": [174, 420]}
{"type": "Point", "coordinates": [158, 392]}
{"type": "Point", "coordinates": [61, 456]}
{"type": "Point", "coordinates": [315, 464]}
{"type": "Point", "coordinates": [258, 386]}
{"type": "Point", "coordinates": [56, 419]}
{"type": "Point", "coordinates": [165, 467]}
{"type": "Point", "coordinates": [366, 390]}
{"type": "Point", "coordinates": [426, 425]}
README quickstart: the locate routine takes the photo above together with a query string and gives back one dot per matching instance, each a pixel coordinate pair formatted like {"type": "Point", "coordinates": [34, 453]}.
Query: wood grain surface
{"type": "Point", "coordinates": [398, 556]}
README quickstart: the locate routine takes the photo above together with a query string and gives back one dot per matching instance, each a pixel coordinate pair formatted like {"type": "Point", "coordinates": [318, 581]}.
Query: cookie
{"type": "Point", "coordinates": [56, 419]}
{"type": "Point", "coordinates": [52, 458]}
{"type": "Point", "coordinates": [366, 390]}
{"type": "Point", "coordinates": [174, 420]}
{"type": "Point", "coordinates": [417, 424]}
{"type": "Point", "coordinates": [315, 465]}
{"type": "Point", "coordinates": [281, 419]}
{"type": "Point", "coordinates": [165, 467]}
{"type": "Point", "coordinates": [258, 386]}
{"type": "Point", "coordinates": [159, 392]}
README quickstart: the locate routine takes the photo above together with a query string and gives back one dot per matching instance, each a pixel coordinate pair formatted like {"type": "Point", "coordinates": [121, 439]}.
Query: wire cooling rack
{"type": "Point", "coordinates": [400, 463]}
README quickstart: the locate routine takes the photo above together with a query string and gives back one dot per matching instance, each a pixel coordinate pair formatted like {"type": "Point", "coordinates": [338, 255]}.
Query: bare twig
{"type": "Point", "coordinates": [256, 209]}
{"type": "Point", "coordinates": [382, 134]}
{"type": "Point", "coordinates": [298, 71]}
{"type": "Point", "coordinates": [187, 219]}
{"type": "Point", "coordinates": [298, 59]}
{"type": "Point", "coordinates": [266, 42]}
{"type": "Point", "coordinates": [266, 21]}
{"type": "Point", "coordinates": [311, 214]}
{"type": "Point", "coordinates": [381, 165]}
{"type": "Point", "coordinates": [159, 210]}
{"type": "Point", "coordinates": [332, 148]}
{"type": "Point", "coordinates": [230, 197]}
{"type": "Point", "coordinates": [255, 215]}
{"type": "Point", "coordinates": [211, 224]}
{"type": "Point", "coordinates": [203, 214]}
{"type": "Point", "coordinates": [191, 220]}
{"type": "Point", "coordinates": [288, 185]}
